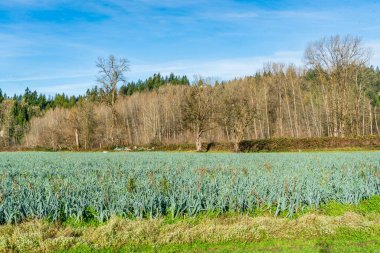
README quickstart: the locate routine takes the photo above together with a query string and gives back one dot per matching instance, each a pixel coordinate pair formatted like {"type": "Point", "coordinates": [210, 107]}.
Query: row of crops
{"type": "Point", "coordinates": [58, 186]}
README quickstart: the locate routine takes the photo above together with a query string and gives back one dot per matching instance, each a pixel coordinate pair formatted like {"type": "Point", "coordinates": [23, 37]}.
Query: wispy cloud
{"type": "Point", "coordinates": [302, 14]}
{"type": "Point", "coordinates": [168, 3]}
{"type": "Point", "coordinates": [55, 43]}
{"type": "Point", "coordinates": [375, 47]}
{"type": "Point", "coordinates": [243, 14]}
{"type": "Point", "coordinates": [269, 15]}
{"type": "Point", "coordinates": [31, 3]}
{"type": "Point", "coordinates": [218, 69]}
{"type": "Point", "coordinates": [61, 76]}
{"type": "Point", "coordinates": [68, 88]}
{"type": "Point", "coordinates": [14, 46]}
{"type": "Point", "coordinates": [226, 15]}
{"type": "Point", "coordinates": [222, 69]}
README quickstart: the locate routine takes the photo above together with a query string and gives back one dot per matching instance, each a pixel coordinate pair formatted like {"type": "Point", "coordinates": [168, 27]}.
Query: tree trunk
{"type": "Point", "coordinates": [374, 113]}
{"type": "Point", "coordinates": [363, 118]}
{"type": "Point", "coordinates": [295, 110]}
{"type": "Point", "coordinates": [198, 142]}
{"type": "Point", "coordinates": [76, 138]}
{"type": "Point", "coordinates": [327, 111]}
{"type": "Point", "coordinates": [280, 108]}
{"type": "Point", "coordinates": [236, 146]}
{"type": "Point", "coordinates": [370, 119]}
{"type": "Point", "coordinates": [266, 111]}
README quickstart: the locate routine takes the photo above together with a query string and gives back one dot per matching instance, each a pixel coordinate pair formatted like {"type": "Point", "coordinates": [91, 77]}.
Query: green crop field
{"type": "Point", "coordinates": [189, 202]}
{"type": "Point", "coordinates": [97, 186]}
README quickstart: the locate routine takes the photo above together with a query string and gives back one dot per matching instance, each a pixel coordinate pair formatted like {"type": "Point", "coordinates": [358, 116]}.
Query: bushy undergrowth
{"type": "Point", "coordinates": [283, 144]}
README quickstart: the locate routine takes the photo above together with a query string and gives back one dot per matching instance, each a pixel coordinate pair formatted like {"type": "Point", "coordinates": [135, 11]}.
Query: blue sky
{"type": "Point", "coordinates": [52, 45]}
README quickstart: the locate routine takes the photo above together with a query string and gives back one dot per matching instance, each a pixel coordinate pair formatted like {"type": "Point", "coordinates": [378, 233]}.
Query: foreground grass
{"type": "Point", "coordinates": [349, 232]}
{"type": "Point", "coordinates": [332, 228]}
{"type": "Point", "coordinates": [300, 246]}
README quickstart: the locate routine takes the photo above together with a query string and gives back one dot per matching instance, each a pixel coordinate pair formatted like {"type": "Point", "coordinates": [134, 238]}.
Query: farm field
{"type": "Point", "coordinates": [88, 201]}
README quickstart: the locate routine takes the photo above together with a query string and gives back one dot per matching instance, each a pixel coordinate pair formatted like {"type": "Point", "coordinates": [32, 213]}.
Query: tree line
{"type": "Point", "coordinates": [17, 111]}
{"type": "Point", "coordinates": [335, 94]}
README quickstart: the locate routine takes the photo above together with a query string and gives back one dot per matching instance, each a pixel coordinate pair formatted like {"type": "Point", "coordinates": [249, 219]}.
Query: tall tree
{"type": "Point", "coordinates": [197, 111]}
{"type": "Point", "coordinates": [237, 111]}
{"type": "Point", "coordinates": [111, 73]}
{"type": "Point", "coordinates": [2, 97]}
{"type": "Point", "coordinates": [338, 62]}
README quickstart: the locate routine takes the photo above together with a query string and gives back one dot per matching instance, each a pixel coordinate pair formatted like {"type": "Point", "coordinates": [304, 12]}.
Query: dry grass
{"type": "Point", "coordinates": [40, 236]}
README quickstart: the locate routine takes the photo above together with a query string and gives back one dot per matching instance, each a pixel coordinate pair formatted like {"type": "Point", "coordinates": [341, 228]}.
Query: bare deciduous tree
{"type": "Point", "coordinates": [237, 111]}
{"type": "Point", "coordinates": [111, 73]}
{"type": "Point", "coordinates": [337, 95]}
{"type": "Point", "coordinates": [338, 60]}
{"type": "Point", "coordinates": [197, 111]}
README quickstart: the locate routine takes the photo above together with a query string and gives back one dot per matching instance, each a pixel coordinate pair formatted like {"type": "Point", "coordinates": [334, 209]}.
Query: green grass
{"type": "Point", "coordinates": [323, 245]}
{"type": "Point", "coordinates": [344, 240]}
{"type": "Point", "coordinates": [350, 232]}
{"type": "Point", "coordinates": [371, 205]}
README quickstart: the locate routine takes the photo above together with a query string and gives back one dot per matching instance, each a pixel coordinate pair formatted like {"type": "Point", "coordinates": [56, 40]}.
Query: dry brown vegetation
{"type": "Point", "coordinates": [282, 104]}
{"type": "Point", "coordinates": [40, 236]}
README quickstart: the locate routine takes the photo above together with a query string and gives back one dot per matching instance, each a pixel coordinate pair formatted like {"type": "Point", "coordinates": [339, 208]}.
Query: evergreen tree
{"type": "Point", "coordinates": [1, 96]}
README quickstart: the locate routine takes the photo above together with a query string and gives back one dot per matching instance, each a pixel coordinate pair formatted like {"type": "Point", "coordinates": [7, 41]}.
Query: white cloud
{"type": "Point", "coordinates": [222, 69]}
{"type": "Point", "coordinates": [225, 15]}
{"type": "Point", "coordinates": [48, 77]}
{"type": "Point", "coordinates": [31, 3]}
{"type": "Point", "coordinates": [302, 14]}
{"type": "Point", "coordinates": [248, 14]}
{"type": "Point", "coordinates": [217, 69]}
{"type": "Point", "coordinates": [169, 3]}
{"type": "Point", "coordinates": [375, 47]}
{"type": "Point", "coordinates": [68, 88]}
{"type": "Point", "coordinates": [14, 46]}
